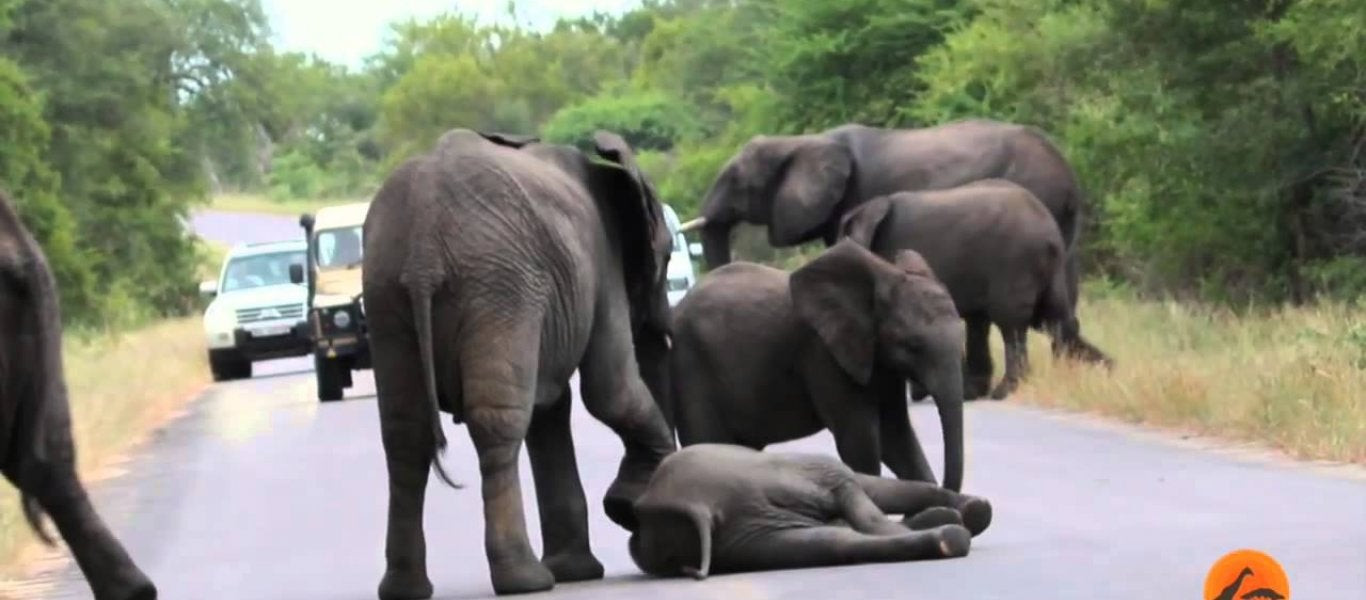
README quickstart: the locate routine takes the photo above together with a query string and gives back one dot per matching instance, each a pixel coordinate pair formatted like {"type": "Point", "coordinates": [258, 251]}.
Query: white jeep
{"type": "Point", "coordinates": [256, 313]}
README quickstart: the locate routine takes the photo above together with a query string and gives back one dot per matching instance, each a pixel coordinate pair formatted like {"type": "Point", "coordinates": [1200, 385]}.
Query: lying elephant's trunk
{"type": "Point", "coordinates": [948, 398]}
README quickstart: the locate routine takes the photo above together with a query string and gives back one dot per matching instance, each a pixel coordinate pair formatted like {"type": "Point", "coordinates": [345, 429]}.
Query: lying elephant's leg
{"type": "Point", "coordinates": [935, 516]}
{"type": "Point", "coordinates": [559, 494]}
{"type": "Point", "coordinates": [498, 370]}
{"type": "Point", "coordinates": [1017, 361]}
{"type": "Point", "coordinates": [827, 545]}
{"type": "Point", "coordinates": [895, 496]}
{"type": "Point", "coordinates": [615, 394]}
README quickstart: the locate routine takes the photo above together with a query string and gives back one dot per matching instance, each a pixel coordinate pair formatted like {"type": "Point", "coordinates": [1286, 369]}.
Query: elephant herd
{"type": "Point", "coordinates": [496, 266]}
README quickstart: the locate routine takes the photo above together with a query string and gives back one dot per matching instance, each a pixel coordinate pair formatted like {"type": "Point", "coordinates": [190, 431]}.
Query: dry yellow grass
{"type": "Point", "coordinates": [256, 203]}
{"type": "Point", "coordinates": [1290, 378]}
{"type": "Point", "coordinates": [121, 387]}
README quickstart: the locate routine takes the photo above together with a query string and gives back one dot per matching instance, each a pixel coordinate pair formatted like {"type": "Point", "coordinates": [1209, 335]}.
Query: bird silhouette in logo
{"type": "Point", "coordinates": [1231, 590]}
{"type": "Point", "coordinates": [1262, 594]}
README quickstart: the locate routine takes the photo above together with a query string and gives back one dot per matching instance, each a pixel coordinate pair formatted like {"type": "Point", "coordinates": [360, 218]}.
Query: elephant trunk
{"type": "Point", "coordinates": [716, 243]}
{"type": "Point", "coordinates": [948, 398]}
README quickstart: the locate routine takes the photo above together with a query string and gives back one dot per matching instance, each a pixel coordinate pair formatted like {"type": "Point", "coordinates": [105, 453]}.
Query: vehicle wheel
{"type": "Point", "coordinates": [329, 375]}
{"type": "Point", "coordinates": [222, 370]}
{"type": "Point", "coordinates": [244, 369]}
{"type": "Point", "coordinates": [228, 368]}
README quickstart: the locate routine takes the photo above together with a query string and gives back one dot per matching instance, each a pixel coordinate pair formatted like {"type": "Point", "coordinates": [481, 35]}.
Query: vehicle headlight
{"type": "Point", "coordinates": [341, 318]}
{"type": "Point", "coordinates": [219, 317]}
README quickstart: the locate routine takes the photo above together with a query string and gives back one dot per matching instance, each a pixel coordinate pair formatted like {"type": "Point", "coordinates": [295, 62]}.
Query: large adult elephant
{"type": "Point", "coordinates": [762, 357]}
{"type": "Point", "coordinates": [494, 268]}
{"type": "Point", "coordinates": [37, 453]}
{"type": "Point", "coordinates": [799, 186]}
{"type": "Point", "coordinates": [717, 508]}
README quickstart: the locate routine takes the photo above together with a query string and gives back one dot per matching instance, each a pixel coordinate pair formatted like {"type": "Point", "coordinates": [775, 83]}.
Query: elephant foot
{"type": "Point", "coordinates": [521, 577]}
{"type": "Point", "coordinates": [1003, 390]}
{"type": "Point", "coordinates": [619, 502]}
{"type": "Point", "coordinates": [399, 585]}
{"type": "Point", "coordinates": [935, 516]}
{"type": "Point", "coordinates": [954, 541]}
{"type": "Point", "coordinates": [143, 590]}
{"type": "Point", "coordinates": [975, 388]}
{"type": "Point", "coordinates": [573, 566]}
{"type": "Point", "coordinates": [976, 514]}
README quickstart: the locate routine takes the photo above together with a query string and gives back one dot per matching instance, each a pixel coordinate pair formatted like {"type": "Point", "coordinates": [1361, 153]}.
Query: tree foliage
{"type": "Point", "coordinates": [1221, 144]}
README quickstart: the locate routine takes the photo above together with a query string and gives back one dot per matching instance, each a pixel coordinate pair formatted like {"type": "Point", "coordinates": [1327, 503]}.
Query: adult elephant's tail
{"type": "Point", "coordinates": [422, 322]}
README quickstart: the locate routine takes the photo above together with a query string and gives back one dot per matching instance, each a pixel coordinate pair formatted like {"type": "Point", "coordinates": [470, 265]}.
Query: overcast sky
{"type": "Point", "coordinates": [347, 31]}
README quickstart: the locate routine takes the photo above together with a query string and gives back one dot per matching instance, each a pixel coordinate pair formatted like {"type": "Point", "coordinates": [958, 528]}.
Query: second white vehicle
{"type": "Point", "coordinates": [256, 312]}
{"type": "Point", "coordinates": [681, 275]}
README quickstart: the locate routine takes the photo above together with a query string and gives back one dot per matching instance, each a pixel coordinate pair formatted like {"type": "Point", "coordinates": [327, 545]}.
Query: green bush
{"type": "Point", "coordinates": [647, 120]}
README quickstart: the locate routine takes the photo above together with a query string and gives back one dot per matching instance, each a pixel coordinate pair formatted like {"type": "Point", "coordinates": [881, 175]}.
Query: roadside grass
{"type": "Point", "coordinates": [258, 203]}
{"type": "Point", "coordinates": [1291, 378]}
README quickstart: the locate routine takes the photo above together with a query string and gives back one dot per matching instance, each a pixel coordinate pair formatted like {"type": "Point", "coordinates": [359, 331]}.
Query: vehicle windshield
{"type": "Point", "coordinates": [260, 270]}
{"type": "Point", "coordinates": [339, 248]}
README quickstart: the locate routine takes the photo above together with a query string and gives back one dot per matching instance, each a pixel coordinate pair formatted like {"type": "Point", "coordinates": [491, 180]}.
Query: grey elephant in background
{"type": "Point", "coordinates": [37, 453]}
{"type": "Point", "coordinates": [717, 508]}
{"type": "Point", "coordinates": [1002, 258]}
{"type": "Point", "coordinates": [494, 268]}
{"type": "Point", "coordinates": [762, 357]}
{"type": "Point", "coordinates": [800, 186]}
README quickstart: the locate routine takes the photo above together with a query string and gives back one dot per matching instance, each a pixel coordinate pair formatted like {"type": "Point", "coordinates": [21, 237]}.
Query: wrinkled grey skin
{"type": "Point", "coordinates": [1002, 258]}
{"type": "Point", "coordinates": [495, 267]}
{"type": "Point", "coordinates": [37, 454]}
{"type": "Point", "coordinates": [761, 357]}
{"type": "Point", "coordinates": [800, 186]}
{"type": "Point", "coordinates": [718, 508]}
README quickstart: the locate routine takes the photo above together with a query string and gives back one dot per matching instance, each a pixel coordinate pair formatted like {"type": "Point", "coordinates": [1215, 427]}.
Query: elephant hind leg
{"type": "Point", "coordinates": [499, 365]}
{"type": "Point", "coordinates": [559, 494]}
{"type": "Point", "coordinates": [829, 545]}
{"type": "Point", "coordinates": [409, 445]}
{"type": "Point", "coordinates": [1017, 360]}
{"type": "Point", "coordinates": [897, 496]}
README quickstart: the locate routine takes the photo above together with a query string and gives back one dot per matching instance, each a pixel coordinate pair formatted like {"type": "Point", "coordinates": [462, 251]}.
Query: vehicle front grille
{"type": "Point", "coordinates": [270, 313]}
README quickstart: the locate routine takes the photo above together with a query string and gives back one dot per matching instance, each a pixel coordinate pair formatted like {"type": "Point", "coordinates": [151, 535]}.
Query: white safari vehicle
{"type": "Point", "coordinates": [336, 310]}
{"type": "Point", "coordinates": [257, 313]}
{"type": "Point", "coordinates": [681, 275]}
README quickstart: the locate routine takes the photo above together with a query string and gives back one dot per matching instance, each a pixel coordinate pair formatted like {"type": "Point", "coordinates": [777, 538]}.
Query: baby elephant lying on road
{"type": "Point", "coordinates": [723, 508]}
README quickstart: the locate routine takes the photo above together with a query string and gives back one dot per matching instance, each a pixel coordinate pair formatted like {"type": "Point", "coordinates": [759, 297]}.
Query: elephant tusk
{"type": "Point", "coordinates": [693, 224]}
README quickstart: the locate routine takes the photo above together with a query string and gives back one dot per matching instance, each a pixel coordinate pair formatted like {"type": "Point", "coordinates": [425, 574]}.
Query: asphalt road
{"type": "Point", "coordinates": [260, 492]}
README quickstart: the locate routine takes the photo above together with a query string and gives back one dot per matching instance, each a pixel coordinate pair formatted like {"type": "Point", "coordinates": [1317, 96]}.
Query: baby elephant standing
{"type": "Point", "coordinates": [999, 252]}
{"type": "Point", "coordinates": [719, 508]}
{"type": "Point", "coordinates": [762, 357]}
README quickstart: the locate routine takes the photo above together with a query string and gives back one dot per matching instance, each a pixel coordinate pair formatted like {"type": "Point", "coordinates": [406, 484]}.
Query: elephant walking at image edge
{"type": "Point", "coordinates": [762, 357]}
{"type": "Point", "coordinates": [717, 508]}
{"type": "Point", "coordinates": [799, 186]}
{"type": "Point", "coordinates": [994, 247]}
{"type": "Point", "coordinates": [37, 453]}
{"type": "Point", "coordinates": [496, 266]}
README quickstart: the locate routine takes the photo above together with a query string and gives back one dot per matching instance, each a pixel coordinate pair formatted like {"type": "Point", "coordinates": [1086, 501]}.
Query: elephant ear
{"type": "Point", "coordinates": [862, 223]}
{"type": "Point", "coordinates": [834, 295]}
{"type": "Point", "coordinates": [815, 175]}
{"type": "Point", "coordinates": [644, 235]}
{"type": "Point", "coordinates": [912, 263]}
{"type": "Point", "coordinates": [511, 140]}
